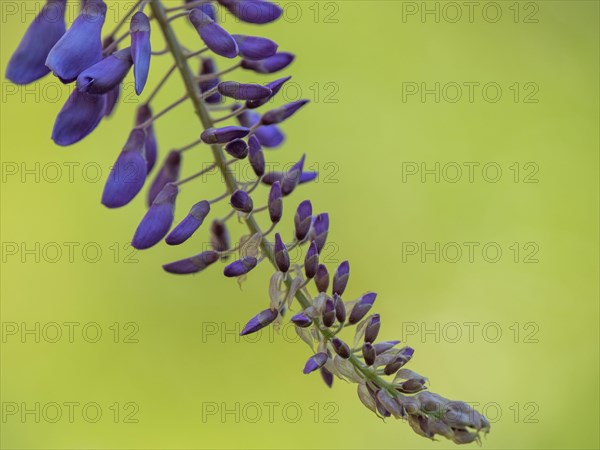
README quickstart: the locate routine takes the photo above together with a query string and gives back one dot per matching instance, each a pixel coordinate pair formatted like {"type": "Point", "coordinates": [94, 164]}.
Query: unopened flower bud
{"type": "Point", "coordinates": [368, 353]}
{"type": "Point", "coordinates": [315, 362]}
{"type": "Point", "coordinates": [322, 278]}
{"type": "Point", "coordinates": [302, 320]}
{"type": "Point", "coordinates": [362, 307]}
{"type": "Point", "coordinates": [281, 254]}
{"type": "Point", "coordinates": [311, 261]}
{"type": "Point", "coordinates": [340, 279]}
{"type": "Point", "coordinates": [260, 321]}
{"type": "Point", "coordinates": [341, 348]}
{"type": "Point", "coordinates": [372, 329]}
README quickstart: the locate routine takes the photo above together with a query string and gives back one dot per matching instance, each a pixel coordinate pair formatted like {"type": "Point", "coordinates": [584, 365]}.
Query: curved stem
{"type": "Point", "coordinates": [193, 91]}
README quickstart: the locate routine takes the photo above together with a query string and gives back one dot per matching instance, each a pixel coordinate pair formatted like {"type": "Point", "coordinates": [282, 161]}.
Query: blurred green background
{"type": "Point", "coordinates": [168, 370]}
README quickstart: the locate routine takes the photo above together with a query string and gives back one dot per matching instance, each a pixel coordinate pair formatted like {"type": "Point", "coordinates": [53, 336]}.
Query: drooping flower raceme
{"type": "Point", "coordinates": [238, 122]}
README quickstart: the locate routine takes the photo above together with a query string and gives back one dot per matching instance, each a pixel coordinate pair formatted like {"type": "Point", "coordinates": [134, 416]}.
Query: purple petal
{"type": "Point", "coordinates": [141, 49]}
{"type": "Point", "coordinates": [241, 91]}
{"type": "Point", "coordinates": [188, 226]}
{"type": "Point", "coordinates": [214, 36]}
{"type": "Point", "coordinates": [81, 46]}
{"type": "Point", "coordinates": [105, 75]}
{"type": "Point", "coordinates": [158, 220]}
{"type": "Point", "coordinates": [28, 62]}
{"type": "Point", "coordinates": [254, 47]}
{"type": "Point", "coordinates": [128, 175]}
{"type": "Point", "coordinates": [223, 135]}
{"type": "Point", "coordinates": [192, 265]}
{"type": "Point", "coordinates": [79, 116]}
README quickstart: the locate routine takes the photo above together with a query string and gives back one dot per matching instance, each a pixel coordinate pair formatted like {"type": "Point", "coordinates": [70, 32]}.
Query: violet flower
{"type": "Point", "coordinates": [28, 62]}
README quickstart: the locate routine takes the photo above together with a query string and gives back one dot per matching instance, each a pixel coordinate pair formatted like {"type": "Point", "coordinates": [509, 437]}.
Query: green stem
{"type": "Point", "coordinates": [194, 94]}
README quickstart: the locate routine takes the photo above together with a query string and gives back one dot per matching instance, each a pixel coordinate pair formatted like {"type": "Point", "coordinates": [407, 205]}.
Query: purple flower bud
{"type": "Point", "coordinates": [144, 113]}
{"type": "Point", "coordinates": [322, 278]}
{"type": "Point", "coordinates": [340, 279]}
{"type": "Point", "coordinates": [141, 49]}
{"type": "Point", "coordinates": [28, 62]}
{"type": "Point", "coordinates": [206, 8]}
{"type": "Point", "coordinates": [402, 358]}
{"type": "Point", "coordinates": [105, 75]}
{"type": "Point", "coordinates": [194, 264]}
{"type": "Point", "coordinates": [220, 236]}
{"type": "Point", "coordinates": [281, 254]}
{"type": "Point", "coordinates": [168, 173]}
{"type": "Point", "coordinates": [269, 136]}
{"type": "Point", "coordinates": [260, 321]}
{"type": "Point", "coordinates": [329, 313]}
{"type": "Point", "coordinates": [253, 11]}
{"type": "Point", "coordinates": [320, 230]}
{"type": "Point", "coordinates": [327, 376]}
{"type": "Point", "coordinates": [256, 156]}
{"type": "Point", "coordinates": [275, 87]}
{"type": "Point", "coordinates": [372, 329]}
{"type": "Point", "coordinates": [223, 135]}
{"type": "Point", "coordinates": [275, 63]}
{"type": "Point", "coordinates": [412, 386]}
{"type": "Point", "coordinates": [208, 68]}
{"type": "Point", "coordinates": [158, 220]}
{"type": "Point", "coordinates": [311, 261]}
{"type": "Point", "coordinates": [340, 309]}
{"type": "Point", "coordinates": [341, 348]}
{"type": "Point", "coordinates": [128, 175]}
{"type": "Point", "coordinates": [315, 362]}
{"type": "Point", "coordinates": [302, 320]}
{"type": "Point", "coordinates": [214, 36]}
{"type": "Point", "coordinates": [303, 220]}
{"type": "Point", "coordinates": [241, 91]}
{"type": "Point", "coordinates": [278, 115]}
{"type": "Point", "coordinates": [237, 148]}
{"type": "Point", "coordinates": [275, 203]}
{"type": "Point", "coordinates": [79, 116]}
{"type": "Point", "coordinates": [362, 307]}
{"type": "Point", "coordinates": [81, 46]}
{"type": "Point", "coordinates": [188, 226]}
{"type": "Point", "coordinates": [368, 353]}
{"type": "Point", "coordinates": [384, 346]}
{"type": "Point", "coordinates": [241, 201]}
{"type": "Point", "coordinates": [240, 267]}
{"type": "Point", "coordinates": [254, 47]}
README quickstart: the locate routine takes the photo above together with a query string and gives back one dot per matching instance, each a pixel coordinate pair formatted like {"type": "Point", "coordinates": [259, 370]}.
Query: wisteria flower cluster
{"type": "Point", "coordinates": [98, 67]}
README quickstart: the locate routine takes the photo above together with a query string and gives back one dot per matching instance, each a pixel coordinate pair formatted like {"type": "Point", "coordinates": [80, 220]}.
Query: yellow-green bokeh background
{"type": "Point", "coordinates": [368, 133]}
